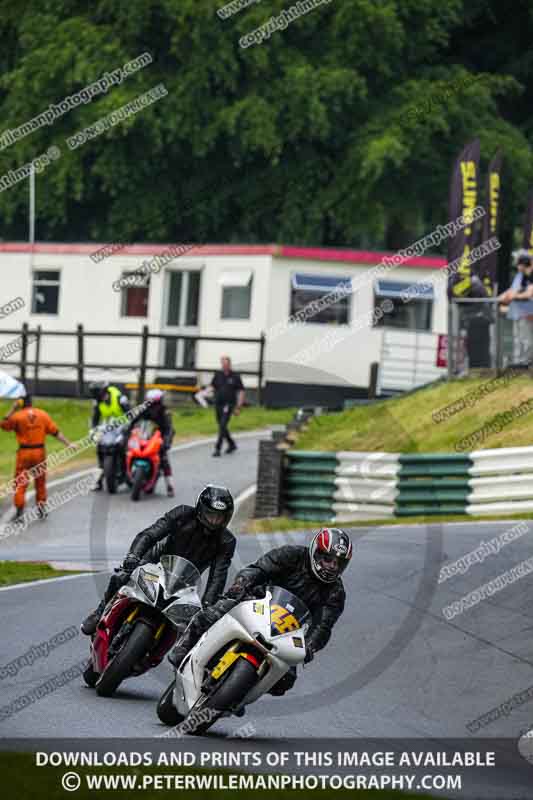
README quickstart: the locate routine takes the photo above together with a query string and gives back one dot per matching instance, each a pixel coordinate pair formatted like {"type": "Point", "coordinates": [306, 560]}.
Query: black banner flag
{"type": "Point", "coordinates": [462, 202]}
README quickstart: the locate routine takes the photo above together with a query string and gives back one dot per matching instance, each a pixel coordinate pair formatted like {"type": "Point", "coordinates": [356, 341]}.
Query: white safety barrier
{"type": "Point", "coordinates": [503, 483]}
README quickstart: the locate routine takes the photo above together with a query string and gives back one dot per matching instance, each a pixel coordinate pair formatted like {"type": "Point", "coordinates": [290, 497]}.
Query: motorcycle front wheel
{"type": "Point", "coordinates": [110, 474]}
{"type": "Point", "coordinates": [242, 677]}
{"type": "Point", "coordinates": [120, 667]}
{"type": "Point", "coordinates": [137, 484]}
{"type": "Point", "coordinates": [166, 710]}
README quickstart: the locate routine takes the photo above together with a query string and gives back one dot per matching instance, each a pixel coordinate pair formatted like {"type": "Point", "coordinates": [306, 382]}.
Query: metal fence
{"type": "Point", "coordinates": [481, 336]}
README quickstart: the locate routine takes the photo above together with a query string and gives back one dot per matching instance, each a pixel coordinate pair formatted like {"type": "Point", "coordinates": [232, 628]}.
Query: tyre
{"type": "Point", "coordinates": [120, 667]}
{"type": "Point", "coordinates": [110, 474]}
{"type": "Point", "coordinates": [166, 710]}
{"type": "Point", "coordinates": [137, 484]}
{"type": "Point", "coordinates": [90, 676]}
{"type": "Point", "coordinates": [231, 691]}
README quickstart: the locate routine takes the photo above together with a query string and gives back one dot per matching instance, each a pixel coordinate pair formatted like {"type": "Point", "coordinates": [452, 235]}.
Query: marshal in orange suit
{"type": "Point", "coordinates": [31, 426]}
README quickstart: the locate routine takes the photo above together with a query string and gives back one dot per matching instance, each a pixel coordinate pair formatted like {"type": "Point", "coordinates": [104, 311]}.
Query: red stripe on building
{"type": "Point", "coordinates": [329, 254]}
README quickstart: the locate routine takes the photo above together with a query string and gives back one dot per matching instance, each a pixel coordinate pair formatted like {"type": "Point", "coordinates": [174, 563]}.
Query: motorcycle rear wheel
{"type": "Point", "coordinates": [120, 667]}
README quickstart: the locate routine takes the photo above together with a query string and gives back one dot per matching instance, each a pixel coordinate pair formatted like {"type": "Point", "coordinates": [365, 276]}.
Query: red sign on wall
{"type": "Point", "coordinates": [442, 351]}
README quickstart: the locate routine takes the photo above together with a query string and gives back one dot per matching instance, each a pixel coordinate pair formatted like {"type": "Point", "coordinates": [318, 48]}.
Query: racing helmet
{"type": "Point", "coordinates": [214, 507]}
{"type": "Point", "coordinates": [330, 552]}
{"type": "Point", "coordinates": [97, 389]}
{"type": "Point", "coordinates": [155, 396]}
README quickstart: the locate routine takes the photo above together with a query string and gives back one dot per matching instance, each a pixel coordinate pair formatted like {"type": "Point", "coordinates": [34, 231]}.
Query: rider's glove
{"type": "Point", "coordinates": [131, 562]}
{"type": "Point", "coordinates": [309, 654]}
{"type": "Point", "coordinates": [238, 590]}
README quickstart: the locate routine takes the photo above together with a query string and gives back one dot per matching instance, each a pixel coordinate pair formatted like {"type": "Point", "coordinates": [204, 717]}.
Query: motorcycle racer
{"type": "Point", "coordinates": [198, 533]}
{"type": "Point", "coordinates": [312, 573]}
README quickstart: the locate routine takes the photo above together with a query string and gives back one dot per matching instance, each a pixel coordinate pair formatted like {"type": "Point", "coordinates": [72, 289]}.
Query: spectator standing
{"type": "Point", "coordinates": [31, 426]}
{"type": "Point", "coordinates": [229, 399]}
{"type": "Point", "coordinates": [520, 298]}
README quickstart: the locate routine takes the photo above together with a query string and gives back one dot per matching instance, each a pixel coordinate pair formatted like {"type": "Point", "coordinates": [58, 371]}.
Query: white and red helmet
{"type": "Point", "coordinates": [330, 552]}
{"type": "Point", "coordinates": [155, 396]}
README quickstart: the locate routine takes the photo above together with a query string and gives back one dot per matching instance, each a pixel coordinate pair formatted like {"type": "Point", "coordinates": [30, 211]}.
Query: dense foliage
{"type": "Point", "coordinates": [339, 130]}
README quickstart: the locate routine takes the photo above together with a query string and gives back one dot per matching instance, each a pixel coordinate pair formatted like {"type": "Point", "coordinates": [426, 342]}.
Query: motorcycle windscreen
{"type": "Point", "coordinates": [178, 573]}
{"type": "Point", "coordinates": [287, 612]}
{"type": "Point", "coordinates": [112, 437]}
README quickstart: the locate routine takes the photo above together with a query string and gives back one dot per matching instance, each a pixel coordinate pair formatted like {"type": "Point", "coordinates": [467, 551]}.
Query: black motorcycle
{"type": "Point", "coordinates": [111, 449]}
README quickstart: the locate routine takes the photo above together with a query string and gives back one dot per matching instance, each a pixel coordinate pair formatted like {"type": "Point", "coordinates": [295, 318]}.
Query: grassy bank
{"type": "Point", "coordinates": [72, 416]}
{"type": "Point", "coordinates": [275, 524]}
{"type": "Point", "coordinates": [405, 424]}
{"type": "Point", "coordinates": [26, 571]}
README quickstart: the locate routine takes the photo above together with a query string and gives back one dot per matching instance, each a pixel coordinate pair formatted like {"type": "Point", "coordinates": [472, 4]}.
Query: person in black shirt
{"type": "Point", "coordinates": [229, 398]}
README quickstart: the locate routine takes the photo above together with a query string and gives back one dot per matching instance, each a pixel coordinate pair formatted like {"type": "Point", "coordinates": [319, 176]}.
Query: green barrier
{"type": "Point", "coordinates": [431, 496]}
{"type": "Point", "coordinates": [443, 483]}
{"type": "Point", "coordinates": [420, 458]}
{"type": "Point", "coordinates": [309, 484]}
{"type": "Point", "coordinates": [293, 478]}
{"type": "Point", "coordinates": [432, 470]}
{"type": "Point", "coordinates": [427, 483]}
{"type": "Point", "coordinates": [420, 491]}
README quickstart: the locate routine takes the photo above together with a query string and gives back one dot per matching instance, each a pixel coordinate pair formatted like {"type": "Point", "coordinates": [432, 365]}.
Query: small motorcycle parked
{"type": "Point", "coordinates": [111, 446]}
{"type": "Point", "coordinates": [143, 460]}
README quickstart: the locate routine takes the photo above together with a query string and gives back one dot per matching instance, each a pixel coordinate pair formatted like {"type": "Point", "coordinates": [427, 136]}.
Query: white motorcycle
{"type": "Point", "coordinates": [237, 660]}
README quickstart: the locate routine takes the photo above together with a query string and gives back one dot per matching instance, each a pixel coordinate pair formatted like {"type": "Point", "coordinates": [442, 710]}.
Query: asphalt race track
{"type": "Point", "coordinates": [395, 666]}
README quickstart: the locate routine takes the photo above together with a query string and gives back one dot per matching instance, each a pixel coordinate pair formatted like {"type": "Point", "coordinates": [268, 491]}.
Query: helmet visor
{"type": "Point", "coordinates": [330, 564]}
{"type": "Point", "coordinates": [214, 519]}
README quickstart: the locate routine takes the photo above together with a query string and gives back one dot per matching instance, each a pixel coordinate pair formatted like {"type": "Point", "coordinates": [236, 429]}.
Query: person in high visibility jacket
{"type": "Point", "coordinates": [109, 403]}
{"type": "Point", "coordinates": [31, 426]}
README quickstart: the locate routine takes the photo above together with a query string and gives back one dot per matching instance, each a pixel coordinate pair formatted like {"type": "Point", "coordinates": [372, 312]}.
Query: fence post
{"type": "Point", "coordinates": [24, 352]}
{"type": "Point", "coordinates": [37, 359]}
{"type": "Point", "coordinates": [142, 370]}
{"type": "Point", "coordinates": [80, 360]}
{"type": "Point", "coordinates": [373, 382]}
{"type": "Point", "coordinates": [450, 341]}
{"type": "Point", "coordinates": [260, 376]}
{"type": "Point", "coordinates": [498, 337]}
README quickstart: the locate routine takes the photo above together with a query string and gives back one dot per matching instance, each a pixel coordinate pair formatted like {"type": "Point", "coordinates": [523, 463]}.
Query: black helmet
{"type": "Point", "coordinates": [329, 553]}
{"type": "Point", "coordinates": [98, 389]}
{"type": "Point", "coordinates": [214, 507]}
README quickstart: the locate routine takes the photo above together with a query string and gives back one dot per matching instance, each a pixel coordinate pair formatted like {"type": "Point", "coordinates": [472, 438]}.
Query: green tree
{"type": "Point", "coordinates": [339, 130]}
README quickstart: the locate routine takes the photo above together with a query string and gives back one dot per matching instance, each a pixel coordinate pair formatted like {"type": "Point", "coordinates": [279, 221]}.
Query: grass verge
{"type": "Point", "coordinates": [26, 571]}
{"type": "Point", "coordinates": [72, 417]}
{"type": "Point", "coordinates": [274, 524]}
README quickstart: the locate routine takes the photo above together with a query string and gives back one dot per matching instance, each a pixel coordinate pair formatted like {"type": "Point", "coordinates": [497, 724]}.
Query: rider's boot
{"type": "Point", "coordinates": [99, 485]}
{"type": "Point", "coordinates": [88, 626]}
{"type": "Point", "coordinates": [182, 647]}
